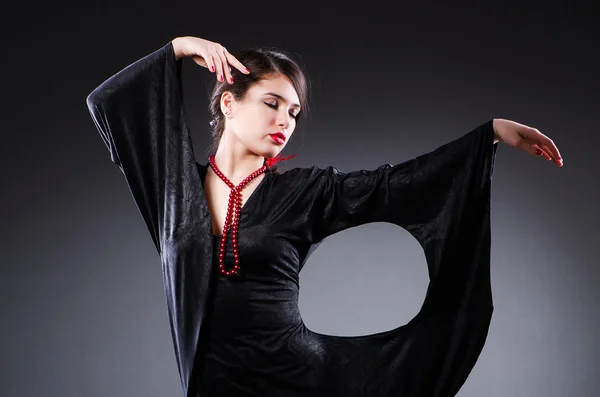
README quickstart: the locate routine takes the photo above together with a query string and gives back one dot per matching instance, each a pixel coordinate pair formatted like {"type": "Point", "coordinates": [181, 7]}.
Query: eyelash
{"type": "Point", "coordinates": [275, 107]}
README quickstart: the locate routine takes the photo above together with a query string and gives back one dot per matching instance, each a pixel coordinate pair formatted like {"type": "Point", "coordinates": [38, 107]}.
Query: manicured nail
{"type": "Point", "coordinates": [538, 152]}
{"type": "Point", "coordinates": [230, 80]}
{"type": "Point", "coordinates": [212, 68]}
{"type": "Point", "coordinates": [247, 70]}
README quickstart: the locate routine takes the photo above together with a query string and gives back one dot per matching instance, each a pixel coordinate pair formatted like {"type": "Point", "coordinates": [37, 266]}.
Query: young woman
{"type": "Point", "coordinates": [233, 233]}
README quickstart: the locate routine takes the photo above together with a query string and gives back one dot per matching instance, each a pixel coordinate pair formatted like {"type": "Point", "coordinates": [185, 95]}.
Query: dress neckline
{"type": "Point", "coordinates": [263, 181]}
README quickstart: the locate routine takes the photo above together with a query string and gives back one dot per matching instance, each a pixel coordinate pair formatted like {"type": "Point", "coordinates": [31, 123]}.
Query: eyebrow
{"type": "Point", "coordinates": [282, 98]}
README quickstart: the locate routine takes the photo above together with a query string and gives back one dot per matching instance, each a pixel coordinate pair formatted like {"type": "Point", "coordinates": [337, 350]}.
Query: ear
{"type": "Point", "coordinates": [227, 103]}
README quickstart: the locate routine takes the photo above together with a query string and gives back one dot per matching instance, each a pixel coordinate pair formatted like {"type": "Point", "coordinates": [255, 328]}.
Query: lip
{"type": "Point", "coordinates": [278, 138]}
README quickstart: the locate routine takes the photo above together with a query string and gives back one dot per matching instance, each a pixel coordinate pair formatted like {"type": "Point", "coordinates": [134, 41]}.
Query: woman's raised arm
{"type": "Point", "coordinates": [139, 113]}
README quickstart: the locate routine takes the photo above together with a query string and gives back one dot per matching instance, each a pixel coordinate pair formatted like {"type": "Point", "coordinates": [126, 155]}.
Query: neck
{"type": "Point", "coordinates": [235, 160]}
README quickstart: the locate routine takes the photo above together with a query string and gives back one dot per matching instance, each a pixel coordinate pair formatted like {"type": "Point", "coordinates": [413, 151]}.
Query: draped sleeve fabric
{"type": "Point", "coordinates": [140, 116]}
{"type": "Point", "coordinates": [139, 113]}
{"type": "Point", "coordinates": [442, 198]}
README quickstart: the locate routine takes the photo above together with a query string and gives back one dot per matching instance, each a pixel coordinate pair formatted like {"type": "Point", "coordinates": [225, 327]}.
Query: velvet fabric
{"type": "Point", "coordinates": [244, 336]}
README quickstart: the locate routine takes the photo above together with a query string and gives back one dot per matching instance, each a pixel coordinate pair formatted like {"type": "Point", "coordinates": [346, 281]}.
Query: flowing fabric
{"type": "Point", "coordinates": [244, 336]}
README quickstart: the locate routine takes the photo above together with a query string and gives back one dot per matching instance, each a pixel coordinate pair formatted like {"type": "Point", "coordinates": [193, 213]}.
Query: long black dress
{"type": "Point", "coordinates": [244, 336]}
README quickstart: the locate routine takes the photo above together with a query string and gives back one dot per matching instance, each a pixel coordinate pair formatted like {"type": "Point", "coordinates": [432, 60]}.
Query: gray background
{"type": "Point", "coordinates": [83, 310]}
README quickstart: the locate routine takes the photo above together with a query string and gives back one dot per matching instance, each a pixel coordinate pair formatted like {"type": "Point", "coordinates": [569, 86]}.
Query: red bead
{"type": "Point", "coordinates": [234, 207]}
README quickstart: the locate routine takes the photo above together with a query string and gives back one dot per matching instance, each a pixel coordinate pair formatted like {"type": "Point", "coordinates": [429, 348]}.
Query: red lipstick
{"type": "Point", "coordinates": [278, 138]}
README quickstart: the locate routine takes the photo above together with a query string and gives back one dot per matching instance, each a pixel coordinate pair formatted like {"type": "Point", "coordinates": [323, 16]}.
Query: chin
{"type": "Point", "coordinates": [271, 152]}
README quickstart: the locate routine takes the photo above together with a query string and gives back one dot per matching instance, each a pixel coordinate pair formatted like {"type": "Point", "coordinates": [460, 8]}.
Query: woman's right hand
{"type": "Point", "coordinates": [208, 54]}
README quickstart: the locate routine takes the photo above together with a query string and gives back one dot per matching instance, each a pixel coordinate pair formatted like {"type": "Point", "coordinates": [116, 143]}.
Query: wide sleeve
{"type": "Point", "coordinates": [442, 198]}
{"type": "Point", "coordinates": [424, 195]}
{"type": "Point", "coordinates": [140, 116]}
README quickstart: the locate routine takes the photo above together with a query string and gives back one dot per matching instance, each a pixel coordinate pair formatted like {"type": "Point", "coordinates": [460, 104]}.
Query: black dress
{"type": "Point", "coordinates": [244, 336]}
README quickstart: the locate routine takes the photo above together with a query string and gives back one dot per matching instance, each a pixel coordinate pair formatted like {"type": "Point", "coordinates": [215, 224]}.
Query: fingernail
{"type": "Point", "coordinates": [538, 152]}
{"type": "Point", "coordinates": [247, 70]}
{"type": "Point", "coordinates": [230, 80]}
{"type": "Point", "coordinates": [212, 68]}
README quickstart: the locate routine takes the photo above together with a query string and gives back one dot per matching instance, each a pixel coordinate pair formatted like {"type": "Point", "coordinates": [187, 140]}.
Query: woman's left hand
{"type": "Point", "coordinates": [526, 138]}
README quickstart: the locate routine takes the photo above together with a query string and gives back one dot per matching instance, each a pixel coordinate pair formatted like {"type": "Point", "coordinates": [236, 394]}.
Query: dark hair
{"type": "Point", "coordinates": [263, 62]}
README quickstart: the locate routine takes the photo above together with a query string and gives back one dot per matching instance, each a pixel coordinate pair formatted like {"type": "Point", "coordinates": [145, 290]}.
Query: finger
{"type": "Point", "coordinates": [199, 60]}
{"type": "Point", "coordinates": [542, 152]}
{"type": "Point", "coordinates": [557, 160]}
{"type": "Point", "coordinates": [549, 144]}
{"type": "Point", "coordinates": [219, 67]}
{"type": "Point", "coordinates": [547, 151]}
{"type": "Point", "coordinates": [210, 63]}
{"type": "Point", "coordinates": [536, 150]}
{"type": "Point", "coordinates": [233, 61]}
{"type": "Point", "coordinates": [530, 148]}
{"type": "Point", "coordinates": [554, 150]}
{"type": "Point", "coordinates": [546, 155]}
{"type": "Point", "coordinates": [543, 140]}
{"type": "Point", "coordinates": [225, 66]}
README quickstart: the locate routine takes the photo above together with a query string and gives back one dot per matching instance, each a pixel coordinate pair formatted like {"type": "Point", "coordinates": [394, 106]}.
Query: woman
{"type": "Point", "coordinates": [233, 234]}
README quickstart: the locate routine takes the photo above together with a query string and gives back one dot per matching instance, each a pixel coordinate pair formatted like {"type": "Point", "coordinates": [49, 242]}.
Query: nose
{"type": "Point", "coordinates": [282, 119]}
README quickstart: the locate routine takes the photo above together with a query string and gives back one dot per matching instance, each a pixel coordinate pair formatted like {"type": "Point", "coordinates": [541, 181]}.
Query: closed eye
{"type": "Point", "coordinates": [294, 116]}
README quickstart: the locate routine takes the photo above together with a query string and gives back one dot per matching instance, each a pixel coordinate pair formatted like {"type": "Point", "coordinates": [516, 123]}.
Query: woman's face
{"type": "Point", "coordinates": [270, 106]}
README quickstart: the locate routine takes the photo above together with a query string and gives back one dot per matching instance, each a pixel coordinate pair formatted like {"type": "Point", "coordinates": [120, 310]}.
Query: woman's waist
{"type": "Point", "coordinates": [251, 312]}
{"type": "Point", "coordinates": [271, 354]}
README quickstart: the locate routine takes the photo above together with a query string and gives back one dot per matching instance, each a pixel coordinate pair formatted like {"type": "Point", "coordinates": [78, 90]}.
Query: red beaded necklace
{"type": "Point", "coordinates": [233, 209]}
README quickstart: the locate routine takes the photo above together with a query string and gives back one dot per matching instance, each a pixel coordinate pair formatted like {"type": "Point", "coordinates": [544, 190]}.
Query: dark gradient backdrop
{"type": "Point", "coordinates": [83, 311]}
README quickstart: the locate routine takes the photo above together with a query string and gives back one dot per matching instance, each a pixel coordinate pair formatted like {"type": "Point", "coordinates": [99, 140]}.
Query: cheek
{"type": "Point", "coordinates": [255, 118]}
{"type": "Point", "coordinates": [266, 115]}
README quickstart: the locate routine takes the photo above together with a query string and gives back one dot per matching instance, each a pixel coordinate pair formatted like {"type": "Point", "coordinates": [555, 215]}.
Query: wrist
{"type": "Point", "coordinates": [179, 47]}
{"type": "Point", "coordinates": [496, 136]}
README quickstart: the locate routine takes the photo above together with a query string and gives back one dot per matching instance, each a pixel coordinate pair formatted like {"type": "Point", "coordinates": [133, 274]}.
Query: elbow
{"type": "Point", "coordinates": [90, 101]}
{"type": "Point", "coordinates": [94, 98]}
